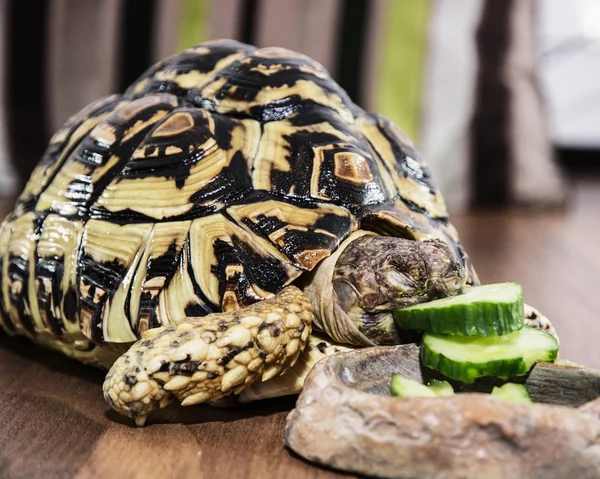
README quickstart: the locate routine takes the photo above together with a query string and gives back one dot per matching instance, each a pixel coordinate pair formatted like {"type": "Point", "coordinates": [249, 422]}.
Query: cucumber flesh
{"type": "Point", "coordinates": [571, 364]}
{"type": "Point", "coordinates": [441, 388]}
{"type": "Point", "coordinates": [404, 387]}
{"type": "Point", "coordinates": [512, 392]}
{"type": "Point", "coordinates": [466, 358]}
{"type": "Point", "coordinates": [489, 310]}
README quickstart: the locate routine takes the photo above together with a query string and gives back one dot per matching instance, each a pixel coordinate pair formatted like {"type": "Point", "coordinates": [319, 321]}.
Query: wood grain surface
{"type": "Point", "coordinates": [54, 422]}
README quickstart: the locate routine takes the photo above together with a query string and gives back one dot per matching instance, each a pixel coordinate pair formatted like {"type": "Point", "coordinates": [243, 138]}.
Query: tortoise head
{"type": "Point", "coordinates": [355, 291]}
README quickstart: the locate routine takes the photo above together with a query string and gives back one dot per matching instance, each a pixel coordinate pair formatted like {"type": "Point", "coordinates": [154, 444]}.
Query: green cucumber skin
{"type": "Point", "coordinates": [570, 364]}
{"type": "Point", "coordinates": [441, 388]}
{"type": "Point", "coordinates": [469, 371]}
{"type": "Point", "coordinates": [459, 320]}
{"type": "Point", "coordinates": [402, 386]}
{"type": "Point", "coordinates": [511, 392]}
{"type": "Point", "coordinates": [474, 317]}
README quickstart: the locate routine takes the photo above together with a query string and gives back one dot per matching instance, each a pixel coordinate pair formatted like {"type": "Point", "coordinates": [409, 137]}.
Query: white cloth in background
{"type": "Point", "coordinates": [448, 96]}
{"type": "Point", "coordinates": [569, 38]}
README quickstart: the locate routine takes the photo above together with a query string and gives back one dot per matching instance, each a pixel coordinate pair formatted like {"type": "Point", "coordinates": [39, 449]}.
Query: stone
{"type": "Point", "coordinates": [345, 419]}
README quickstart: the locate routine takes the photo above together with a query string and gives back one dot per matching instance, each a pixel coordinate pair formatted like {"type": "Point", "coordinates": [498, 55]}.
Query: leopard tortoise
{"type": "Point", "coordinates": [190, 233]}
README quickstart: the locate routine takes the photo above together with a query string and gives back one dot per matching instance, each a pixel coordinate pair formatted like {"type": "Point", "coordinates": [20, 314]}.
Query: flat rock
{"type": "Point", "coordinates": [346, 419]}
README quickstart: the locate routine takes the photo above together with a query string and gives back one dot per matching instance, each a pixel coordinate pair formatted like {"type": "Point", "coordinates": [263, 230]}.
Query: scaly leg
{"type": "Point", "coordinates": [206, 358]}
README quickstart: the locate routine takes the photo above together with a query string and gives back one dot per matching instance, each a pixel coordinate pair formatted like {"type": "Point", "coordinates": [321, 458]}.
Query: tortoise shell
{"type": "Point", "coordinates": [217, 178]}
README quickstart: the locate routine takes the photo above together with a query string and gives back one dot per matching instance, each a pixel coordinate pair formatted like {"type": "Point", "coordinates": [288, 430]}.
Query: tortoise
{"type": "Point", "coordinates": [190, 233]}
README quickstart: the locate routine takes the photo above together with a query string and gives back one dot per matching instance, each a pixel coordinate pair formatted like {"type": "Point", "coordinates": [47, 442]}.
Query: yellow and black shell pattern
{"type": "Point", "coordinates": [216, 179]}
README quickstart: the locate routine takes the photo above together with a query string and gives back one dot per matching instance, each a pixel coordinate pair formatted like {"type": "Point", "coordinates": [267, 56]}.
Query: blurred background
{"type": "Point", "coordinates": [502, 97]}
{"type": "Point", "coordinates": [493, 91]}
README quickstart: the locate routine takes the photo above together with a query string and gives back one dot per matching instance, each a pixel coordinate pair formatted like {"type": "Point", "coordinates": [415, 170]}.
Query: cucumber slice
{"type": "Point", "coordinates": [466, 358]}
{"type": "Point", "coordinates": [571, 364]}
{"type": "Point", "coordinates": [441, 388]}
{"type": "Point", "coordinates": [404, 387]}
{"type": "Point", "coordinates": [490, 310]}
{"type": "Point", "coordinates": [512, 392]}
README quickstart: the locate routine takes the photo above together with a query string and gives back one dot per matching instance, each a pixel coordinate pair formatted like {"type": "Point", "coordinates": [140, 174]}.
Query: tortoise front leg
{"type": "Point", "coordinates": [203, 359]}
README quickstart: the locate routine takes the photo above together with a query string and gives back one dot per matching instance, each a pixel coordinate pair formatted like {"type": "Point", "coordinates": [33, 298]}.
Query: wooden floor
{"type": "Point", "coordinates": [54, 422]}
